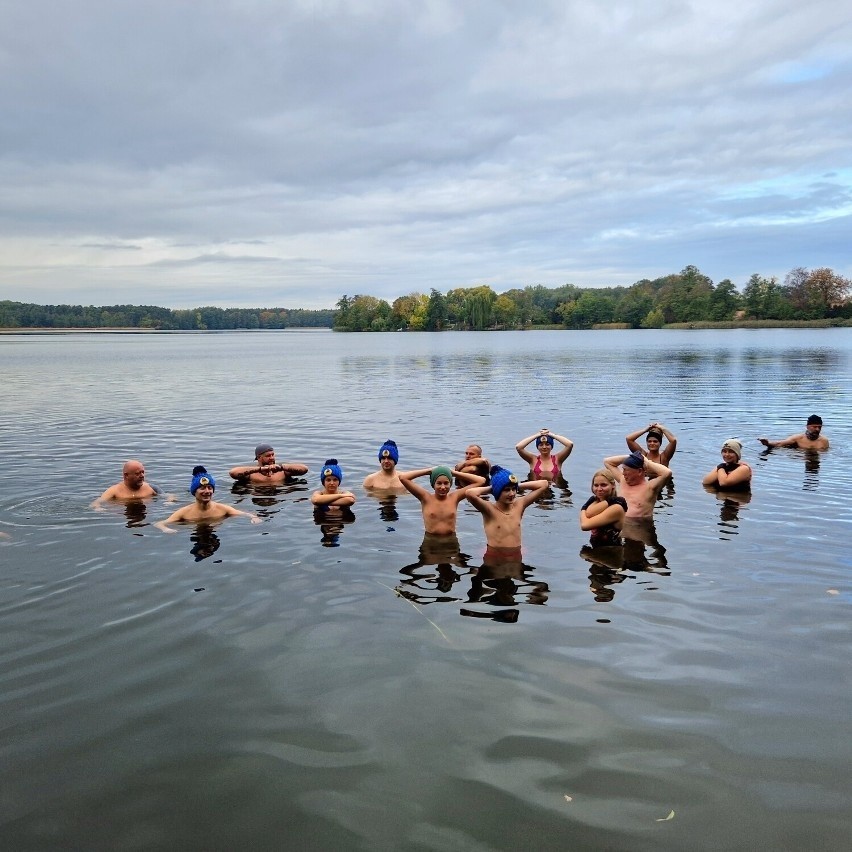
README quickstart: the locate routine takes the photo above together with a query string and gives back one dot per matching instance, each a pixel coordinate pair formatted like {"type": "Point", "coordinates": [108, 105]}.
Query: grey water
{"type": "Point", "coordinates": [291, 685]}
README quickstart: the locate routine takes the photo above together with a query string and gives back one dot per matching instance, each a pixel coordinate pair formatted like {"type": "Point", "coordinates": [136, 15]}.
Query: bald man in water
{"type": "Point", "coordinates": [132, 486]}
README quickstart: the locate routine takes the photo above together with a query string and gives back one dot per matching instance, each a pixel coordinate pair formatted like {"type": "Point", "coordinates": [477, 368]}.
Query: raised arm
{"type": "Point", "coordinates": [613, 465]}
{"type": "Point", "coordinates": [671, 445]}
{"type": "Point", "coordinates": [633, 439]}
{"type": "Point", "coordinates": [567, 446]}
{"type": "Point", "coordinates": [534, 488]}
{"type": "Point", "coordinates": [522, 450]}
{"type": "Point", "coordinates": [662, 474]}
{"type": "Point", "coordinates": [407, 477]}
{"type": "Point", "coordinates": [792, 441]}
{"type": "Point", "coordinates": [476, 497]}
{"type": "Point", "coordinates": [472, 479]}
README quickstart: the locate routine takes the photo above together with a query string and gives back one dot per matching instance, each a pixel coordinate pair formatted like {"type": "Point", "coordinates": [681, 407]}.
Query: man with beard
{"type": "Point", "coordinates": [267, 471]}
{"type": "Point", "coordinates": [810, 439]}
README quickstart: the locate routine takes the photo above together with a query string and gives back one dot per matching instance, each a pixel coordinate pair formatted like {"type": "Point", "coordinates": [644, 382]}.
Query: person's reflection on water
{"type": "Point", "coordinates": [558, 493]}
{"type": "Point", "coordinates": [387, 508]}
{"type": "Point", "coordinates": [504, 581]}
{"type": "Point", "coordinates": [136, 511]}
{"type": "Point", "coordinates": [812, 460]}
{"type": "Point", "coordinates": [332, 520]}
{"type": "Point", "coordinates": [729, 509]}
{"type": "Point", "coordinates": [637, 535]}
{"type": "Point", "coordinates": [605, 570]}
{"type": "Point", "coordinates": [443, 552]}
{"type": "Point", "coordinates": [205, 542]}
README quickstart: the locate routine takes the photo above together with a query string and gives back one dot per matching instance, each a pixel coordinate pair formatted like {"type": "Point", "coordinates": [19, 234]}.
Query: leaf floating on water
{"type": "Point", "coordinates": [833, 591]}
{"type": "Point", "coordinates": [569, 799]}
{"type": "Point", "coordinates": [666, 819]}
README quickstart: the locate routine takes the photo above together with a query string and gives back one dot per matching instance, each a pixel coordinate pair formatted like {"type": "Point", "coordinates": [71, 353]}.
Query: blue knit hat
{"type": "Point", "coordinates": [544, 439]}
{"type": "Point", "coordinates": [200, 477]}
{"type": "Point", "coordinates": [331, 468]}
{"type": "Point", "coordinates": [502, 478]}
{"type": "Point", "coordinates": [389, 450]}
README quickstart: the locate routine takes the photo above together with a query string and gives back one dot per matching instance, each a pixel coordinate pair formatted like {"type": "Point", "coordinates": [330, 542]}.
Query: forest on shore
{"type": "Point", "coordinates": [687, 297]}
{"type": "Point", "coordinates": [817, 296]}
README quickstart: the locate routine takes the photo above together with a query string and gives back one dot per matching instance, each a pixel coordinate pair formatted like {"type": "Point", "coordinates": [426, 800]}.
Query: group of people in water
{"type": "Point", "coordinates": [624, 490]}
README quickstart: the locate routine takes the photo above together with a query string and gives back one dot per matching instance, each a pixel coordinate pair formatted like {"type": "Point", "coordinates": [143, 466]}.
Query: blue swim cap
{"type": "Point", "coordinates": [331, 468]}
{"type": "Point", "coordinates": [389, 450]}
{"type": "Point", "coordinates": [544, 439]}
{"type": "Point", "coordinates": [501, 479]}
{"type": "Point", "coordinates": [635, 460]}
{"type": "Point", "coordinates": [200, 477]}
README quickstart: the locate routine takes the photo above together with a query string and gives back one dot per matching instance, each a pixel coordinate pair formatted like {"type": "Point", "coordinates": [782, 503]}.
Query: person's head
{"type": "Point", "coordinates": [331, 475]}
{"type": "Point", "coordinates": [603, 484]}
{"type": "Point", "coordinates": [441, 478]}
{"type": "Point", "coordinates": [813, 427]}
{"type": "Point", "coordinates": [133, 474]}
{"type": "Point", "coordinates": [264, 454]}
{"type": "Point", "coordinates": [654, 440]}
{"type": "Point", "coordinates": [388, 455]}
{"type": "Point", "coordinates": [633, 468]}
{"type": "Point", "coordinates": [504, 484]}
{"type": "Point", "coordinates": [544, 444]}
{"type": "Point", "coordinates": [474, 451]}
{"type": "Point", "coordinates": [732, 451]}
{"type": "Point", "coordinates": [203, 484]}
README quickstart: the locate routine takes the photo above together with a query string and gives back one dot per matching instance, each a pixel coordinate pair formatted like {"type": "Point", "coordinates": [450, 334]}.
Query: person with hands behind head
{"type": "Point", "coordinates": [440, 507]}
{"type": "Point", "coordinates": [731, 473]}
{"type": "Point", "coordinates": [502, 518]}
{"type": "Point", "coordinates": [654, 440]}
{"type": "Point", "coordinates": [546, 464]}
{"type": "Point", "coordinates": [640, 493]}
{"type": "Point", "coordinates": [603, 513]}
{"type": "Point", "coordinates": [330, 496]}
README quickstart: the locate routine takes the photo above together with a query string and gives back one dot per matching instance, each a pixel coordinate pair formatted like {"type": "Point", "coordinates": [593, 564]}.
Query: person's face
{"type": "Point", "coordinates": [507, 496]}
{"type": "Point", "coordinates": [134, 476]}
{"type": "Point", "coordinates": [442, 486]}
{"type": "Point", "coordinates": [204, 493]}
{"type": "Point", "coordinates": [543, 448]}
{"type": "Point", "coordinates": [653, 444]}
{"type": "Point", "coordinates": [602, 487]}
{"type": "Point", "coordinates": [267, 458]}
{"type": "Point", "coordinates": [472, 452]}
{"type": "Point", "coordinates": [728, 455]}
{"type": "Point", "coordinates": [332, 483]}
{"type": "Point", "coordinates": [632, 475]}
{"type": "Point", "coordinates": [387, 463]}
{"type": "Point", "coordinates": [812, 431]}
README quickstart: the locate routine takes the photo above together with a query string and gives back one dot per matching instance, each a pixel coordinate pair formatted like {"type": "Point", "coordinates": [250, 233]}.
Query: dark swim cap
{"type": "Point", "coordinates": [815, 420]}
{"type": "Point", "coordinates": [635, 460]}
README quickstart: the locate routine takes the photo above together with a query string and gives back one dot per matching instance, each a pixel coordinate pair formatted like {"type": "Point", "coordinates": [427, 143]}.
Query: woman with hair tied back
{"type": "Point", "coordinates": [547, 463]}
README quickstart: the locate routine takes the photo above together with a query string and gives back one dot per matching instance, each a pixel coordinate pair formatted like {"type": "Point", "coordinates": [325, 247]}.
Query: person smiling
{"type": "Point", "coordinates": [810, 439]}
{"type": "Point", "coordinates": [204, 509]}
{"type": "Point", "coordinates": [440, 507]}
{"type": "Point", "coordinates": [267, 471]}
{"type": "Point", "coordinates": [547, 463]}
{"type": "Point", "coordinates": [732, 473]}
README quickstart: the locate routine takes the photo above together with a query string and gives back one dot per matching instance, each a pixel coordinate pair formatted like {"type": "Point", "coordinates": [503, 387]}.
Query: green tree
{"type": "Point", "coordinates": [436, 311]}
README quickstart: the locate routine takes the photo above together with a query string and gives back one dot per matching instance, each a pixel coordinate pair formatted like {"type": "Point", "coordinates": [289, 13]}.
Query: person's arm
{"type": "Point", "coordinates": [731, 478]}
{"type": "Point", "coordinates": [534, 488]}
{"type": "Point", "coordinates": [601, 514]}
{"type": "Point", "coordinates": [613, 465]}
{"type": "Point", "coordinates": [475, 496]}
{"type": "Point", "coordinates": [472, 479]}
{"type": "Point", "coordinates": [109, 494]}
{"type": "Point", "coordinates": [174, 518]}
{"type": "Point", "coordinates": [712, 478]}
{"type": "Point", "coordinates": [671, 445]}
{"type": "Point", "coordinates": [407, 478]}
{"type": "Point", "coordinates": [567, 446]}
{"type": "Point", "coordinates": [342, 498]}
{"type": "Point", "coordinates": [522, 450]}
{"type": "Point", "coordinates": [792, 441]}
{"type": "Point", "coordinates": [660, 471]}
{"type": "Point", "coordinates": [232, 512]}
{"type": "Point", "coordinates": [633, 439]}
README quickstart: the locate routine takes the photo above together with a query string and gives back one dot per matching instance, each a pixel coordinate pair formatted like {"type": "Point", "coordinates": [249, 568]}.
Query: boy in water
{"type": "Point", "coordinates": [204, 509]}
{"type": "Point", "coordinates": [440, 508]}
{"type": "Point", "coordinates": [330, 496]}
{"type": "Point", "coordinates": [502, 518]}
{"type": "Point", "coordinates": [385, 478]}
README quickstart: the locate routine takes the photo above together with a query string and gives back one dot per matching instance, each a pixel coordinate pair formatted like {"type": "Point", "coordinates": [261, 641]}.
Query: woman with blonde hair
{"type": "Point", "coordinates": [603, 513]}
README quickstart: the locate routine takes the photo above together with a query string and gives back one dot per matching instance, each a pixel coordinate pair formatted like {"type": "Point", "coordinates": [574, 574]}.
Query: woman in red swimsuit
{"type": "Point", "coordinates": [547, 463]}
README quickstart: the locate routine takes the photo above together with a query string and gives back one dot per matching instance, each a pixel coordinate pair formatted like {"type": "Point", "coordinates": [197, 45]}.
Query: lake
{"type": "Point", "coordinates": [290, 685]}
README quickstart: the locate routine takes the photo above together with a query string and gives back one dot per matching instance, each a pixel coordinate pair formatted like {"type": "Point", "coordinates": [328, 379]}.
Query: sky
{"type": "Point", "coordinates": [283, 154]}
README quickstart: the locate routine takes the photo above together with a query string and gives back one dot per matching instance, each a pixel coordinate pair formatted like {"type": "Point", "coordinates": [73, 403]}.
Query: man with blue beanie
{"type": "Point", "coordinates": [385, 478]}
{"type": "Point", "coordinates": [204, 509]}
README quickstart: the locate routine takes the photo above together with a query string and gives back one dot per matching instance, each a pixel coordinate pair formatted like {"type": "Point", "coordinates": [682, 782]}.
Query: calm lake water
{"type": "Point", "coordinates": [289, 686]}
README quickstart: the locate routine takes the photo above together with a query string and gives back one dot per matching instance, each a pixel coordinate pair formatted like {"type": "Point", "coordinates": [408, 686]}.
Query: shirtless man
{"type": "Point", "coordinates": [473, 462]}
{"type": "Point", "coordinates": [640, 493]}
{"type": "Point", "coordinates": [204, 509]}
{"type": "Point", "coordinates": [267, 471]}
{"type": "Point", "coordinates": [440, 508]}
{"type": "Point", "coordinates": [502, 518]}
{"type": "Point", "coordinates": [385, 478]}
{"type": "Point", "coordinates": [654, 440]}
{"type": "Point", "coordinates": [132, 486]}
{"type": "Point", "coordinates": [810, 439]}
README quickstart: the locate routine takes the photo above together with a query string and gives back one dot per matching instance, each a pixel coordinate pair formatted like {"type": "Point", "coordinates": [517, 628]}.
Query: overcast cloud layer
{"type": "Point", "coordinates": [282, 154]}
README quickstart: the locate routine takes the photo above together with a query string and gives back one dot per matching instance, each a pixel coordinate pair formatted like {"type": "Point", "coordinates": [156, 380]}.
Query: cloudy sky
{"type": "Point", "coordinates": [262, 153]}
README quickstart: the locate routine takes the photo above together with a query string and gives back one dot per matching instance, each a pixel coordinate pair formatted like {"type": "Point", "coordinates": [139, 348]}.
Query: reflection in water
{"type": "Point", "coordinates": [387, 508]}
{"type": "Point", "coordinates": [265, 497]}
{"type": "Point", "coordinates": [442, 551]}
{"type": "Point", "coordinates": [205, 542]}
{"type": "Point", "coordinates": [501, 581]}
{"type": "Point", "coordinates": [136, 512]}
{"type": "Point", "coordinates": [812, 459]}
{"type": "Point", "coordinates": [729, 510]}
{"type": "Point", "coordinates": [332, 520]}
{"type": "Point", "coordinates": [557, 494]}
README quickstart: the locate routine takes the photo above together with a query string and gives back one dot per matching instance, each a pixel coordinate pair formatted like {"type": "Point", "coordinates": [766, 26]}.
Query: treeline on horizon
{"type": "Point", "coordinates": [684, 297]}
{"type": "Point", "coordinates": [23, 315]}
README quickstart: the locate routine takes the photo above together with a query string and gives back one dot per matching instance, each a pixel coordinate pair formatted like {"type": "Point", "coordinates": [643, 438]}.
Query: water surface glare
{"type": "Point", "coordinates": [291, 685]}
